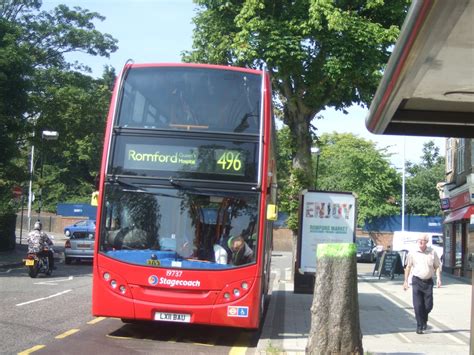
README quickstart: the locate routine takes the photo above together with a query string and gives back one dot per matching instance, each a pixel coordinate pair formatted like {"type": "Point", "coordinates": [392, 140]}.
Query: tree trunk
{"type": "Point", "coordinates": [298, 119]}
{"type": "Point", "coordinates": [335, 327]}
{"type": "Point", "coordinates": [301, 133]}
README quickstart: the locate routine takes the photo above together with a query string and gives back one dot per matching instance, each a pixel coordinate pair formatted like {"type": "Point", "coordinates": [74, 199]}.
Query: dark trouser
{"type": "Point", "coordinates": [422, 299]}
{"type": "Point", "coordinates": [50, 256]}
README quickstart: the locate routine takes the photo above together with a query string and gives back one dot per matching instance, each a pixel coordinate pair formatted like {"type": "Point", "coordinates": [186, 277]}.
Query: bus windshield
{"type": "Point", "coordinates": [196, 99]}
{"type": "Point", "coordinates": [174, 227]}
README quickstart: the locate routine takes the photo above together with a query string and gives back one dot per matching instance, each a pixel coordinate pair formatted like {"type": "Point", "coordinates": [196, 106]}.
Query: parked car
{"type": "Point", "coordinates": [80, 244]}
{"type": "Point", "coordinates": [86, 225]}
{"type": "Point", "coordinates": [366, 249]}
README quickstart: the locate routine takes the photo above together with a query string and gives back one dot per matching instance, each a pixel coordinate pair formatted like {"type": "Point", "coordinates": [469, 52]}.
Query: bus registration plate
{"type": "Point", "coordinates": [173, 317]}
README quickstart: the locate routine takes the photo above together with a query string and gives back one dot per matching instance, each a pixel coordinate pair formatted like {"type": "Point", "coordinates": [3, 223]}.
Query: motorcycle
{"type": "Point", "coordinates": [38, 262]}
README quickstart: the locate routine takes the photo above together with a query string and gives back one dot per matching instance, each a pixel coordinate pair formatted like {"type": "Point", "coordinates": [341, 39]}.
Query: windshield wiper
{"type": "Point", "coordinates": [130, 187]}
{"type": "Point", "coordinates": [175, 183]}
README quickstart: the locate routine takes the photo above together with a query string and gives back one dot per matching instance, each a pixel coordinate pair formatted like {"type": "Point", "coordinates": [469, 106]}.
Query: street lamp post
{"type": "Point", "coordinates": [30, 194]}
{"type": "Point", "coordinates": [316, 151]}
{"type": "Point", "coordinates": [49, 136]}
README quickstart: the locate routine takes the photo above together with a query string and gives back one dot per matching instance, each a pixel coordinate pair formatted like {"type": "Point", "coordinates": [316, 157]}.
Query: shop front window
{"type": "Point", "coordinates": [448, 245]}
{"type": "Point", "coordinates": [458, 246]}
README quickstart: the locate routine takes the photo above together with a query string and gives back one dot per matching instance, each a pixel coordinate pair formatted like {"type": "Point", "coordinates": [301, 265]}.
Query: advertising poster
{"type": "Point", "coordinates": [326, 217]}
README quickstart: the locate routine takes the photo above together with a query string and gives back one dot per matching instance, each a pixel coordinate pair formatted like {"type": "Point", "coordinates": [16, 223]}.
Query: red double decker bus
{"type": "Point", "coordinates": [187, 196]}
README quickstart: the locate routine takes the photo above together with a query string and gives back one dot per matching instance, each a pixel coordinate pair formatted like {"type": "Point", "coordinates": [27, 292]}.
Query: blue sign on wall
{"type": "Point", "coordinates": [428, 224]}
{"type": "Point", "coordinates": [445, 204]}
{"type": "Point", "coordinates": [76, 210]}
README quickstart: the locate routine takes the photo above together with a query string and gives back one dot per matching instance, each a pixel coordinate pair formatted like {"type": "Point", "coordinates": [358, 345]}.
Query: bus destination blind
{"type": "Point", "coordinates": [203, 159]}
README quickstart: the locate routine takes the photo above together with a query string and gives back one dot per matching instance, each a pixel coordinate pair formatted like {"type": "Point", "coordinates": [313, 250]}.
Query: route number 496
{"type": "Point", "coordinates": [230, 160]}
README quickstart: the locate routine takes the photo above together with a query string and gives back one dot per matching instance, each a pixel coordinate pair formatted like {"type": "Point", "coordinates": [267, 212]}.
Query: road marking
{"type": "Point", "coordinates": [404, 337]}
{"type": "Point", "coordinates": [96, 320]}
{"type": "Point", "coordinates": [66, 334]}
{"type": "Point", "coordinates": [117, 336]}
{"type": "Point", "coordinates": [43, 298]}
{"type": "Point", "coordinates": [456, 340]}
{"type": "Point", "coordinates": [53, 282]}
{"type": "Point", "coordinates": [211, 341]}
{"type": "Point", "coordinates": [240, 350]}
{"type": "Point", "coordinates": [31, 350]}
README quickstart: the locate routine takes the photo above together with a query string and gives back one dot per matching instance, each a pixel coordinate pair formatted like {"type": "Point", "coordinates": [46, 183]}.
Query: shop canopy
{"type": "Point", "coordinates": [428, 85]}
{"type": "Point", "coordinates": [462, 213]}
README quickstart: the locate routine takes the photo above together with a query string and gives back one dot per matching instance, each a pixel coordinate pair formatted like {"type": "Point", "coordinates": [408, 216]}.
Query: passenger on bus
{"type": "Point", "coordinates": [114, 230]}
{"type": "Point", "coordinates": [135, 238]}
{"type": "Point", "coordinates": [241, 252]}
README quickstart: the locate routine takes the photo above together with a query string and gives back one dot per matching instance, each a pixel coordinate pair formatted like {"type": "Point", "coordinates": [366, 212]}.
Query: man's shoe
{"type": "Point", "coordinates": [419, 330]}
{"type": "Point", "coordinates": [424, 326]}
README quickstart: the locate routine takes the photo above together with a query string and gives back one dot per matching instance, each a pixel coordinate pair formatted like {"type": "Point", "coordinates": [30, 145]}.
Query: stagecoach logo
{"type": "Point", "coordinates": [153, 280]}
{"type": "Point", "coordinates": [233, 311]}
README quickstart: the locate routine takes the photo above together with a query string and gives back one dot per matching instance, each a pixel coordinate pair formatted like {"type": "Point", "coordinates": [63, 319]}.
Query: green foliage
{"type": "Point", "coordinates": [289, 195]}
{"type": "Point", "coordinates": [285, 153]}
{"type": "Point", "coordinates": [347, 163]}
{"type": "Point", "coordinates": [39, 90]}
{"type": "Point", "coordinates": [353, 164]}
{"type": "Point", "coordinates": [15, 67]}
{"type": "Point", "coordinates": [320, 53]}
{"type": "Point", "coordinates": [72, 162]}
{"type": "Point", "coordinates": [421, 195]}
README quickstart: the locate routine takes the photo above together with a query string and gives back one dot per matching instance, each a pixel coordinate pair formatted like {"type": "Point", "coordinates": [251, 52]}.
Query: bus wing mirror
{"type": "Point", "coordinates": [272, 212]}
{"type": "Point", "coordinates": [95, 198]}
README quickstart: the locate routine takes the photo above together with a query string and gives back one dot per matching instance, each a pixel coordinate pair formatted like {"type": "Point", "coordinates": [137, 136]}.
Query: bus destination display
{"type": "Point", "coordinates": [204, 159]}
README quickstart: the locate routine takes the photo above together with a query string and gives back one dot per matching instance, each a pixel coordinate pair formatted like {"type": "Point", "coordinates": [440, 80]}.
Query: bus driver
{"type": "Point", "coordinates": [241, 252]}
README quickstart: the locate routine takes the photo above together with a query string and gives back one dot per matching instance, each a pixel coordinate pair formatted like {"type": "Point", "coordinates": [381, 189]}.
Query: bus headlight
{"type": "Point", "coordinates": [236, 292]}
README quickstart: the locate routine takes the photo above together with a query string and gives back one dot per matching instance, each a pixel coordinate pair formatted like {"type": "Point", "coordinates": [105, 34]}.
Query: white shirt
{"type": "Point", "coordinates": [423, 263]}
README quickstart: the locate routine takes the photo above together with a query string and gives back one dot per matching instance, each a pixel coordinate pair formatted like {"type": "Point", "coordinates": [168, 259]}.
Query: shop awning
{"type": "Point", "coordinates": [427, 87]}
{"type": "Point", "coordinates": [462, 213]}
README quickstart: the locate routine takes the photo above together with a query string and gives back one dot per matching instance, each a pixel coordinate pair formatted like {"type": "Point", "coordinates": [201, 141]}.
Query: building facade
{"type": "Point", "coordinates": [457, 203]}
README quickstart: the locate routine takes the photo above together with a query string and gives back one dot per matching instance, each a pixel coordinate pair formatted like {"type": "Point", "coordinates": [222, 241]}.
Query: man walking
{"type": "Point", "coordinates": [423, 264]}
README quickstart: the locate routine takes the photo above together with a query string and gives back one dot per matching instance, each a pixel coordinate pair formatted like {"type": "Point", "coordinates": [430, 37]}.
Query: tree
{"type": "Point", "coordinates": [73, 160]}
{"type": "Point", "coordinates": [320, 54]}
{"type": "Point", "coordinates": [33, 44]}
{"type": "Point", "coordinates": [422, 197]}
{"type": "Point", "coordinates": [15, 67]}
{"type": "Point", "coordinates": [335, 325]}
{"type": "Point", "coordinates": [350, 163]}
{"type": "Point", "coordinates": [347, 163]}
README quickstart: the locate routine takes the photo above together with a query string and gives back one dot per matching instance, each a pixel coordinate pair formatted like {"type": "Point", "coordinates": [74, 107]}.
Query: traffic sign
{"type": "Point", "coordinates": [17, 191]}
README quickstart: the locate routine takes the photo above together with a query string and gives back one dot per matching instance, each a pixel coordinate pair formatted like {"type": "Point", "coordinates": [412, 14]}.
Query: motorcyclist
{"type": "Point", "coordinates": [38, 240]}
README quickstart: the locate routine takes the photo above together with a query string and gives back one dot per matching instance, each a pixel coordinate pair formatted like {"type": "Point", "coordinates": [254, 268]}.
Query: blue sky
{"type": "Point", "coordinates": [159, 30]}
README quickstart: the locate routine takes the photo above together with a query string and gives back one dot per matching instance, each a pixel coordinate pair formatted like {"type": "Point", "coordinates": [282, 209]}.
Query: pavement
{"type": "Point", "coordinates": [386, 313]}
{"type": "Point", "coordinates": [387, 318]}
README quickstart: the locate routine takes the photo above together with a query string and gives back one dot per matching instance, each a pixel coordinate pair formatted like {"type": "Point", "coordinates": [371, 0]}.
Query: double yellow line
{"type": "Point", "coordinates": [60, 336]}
